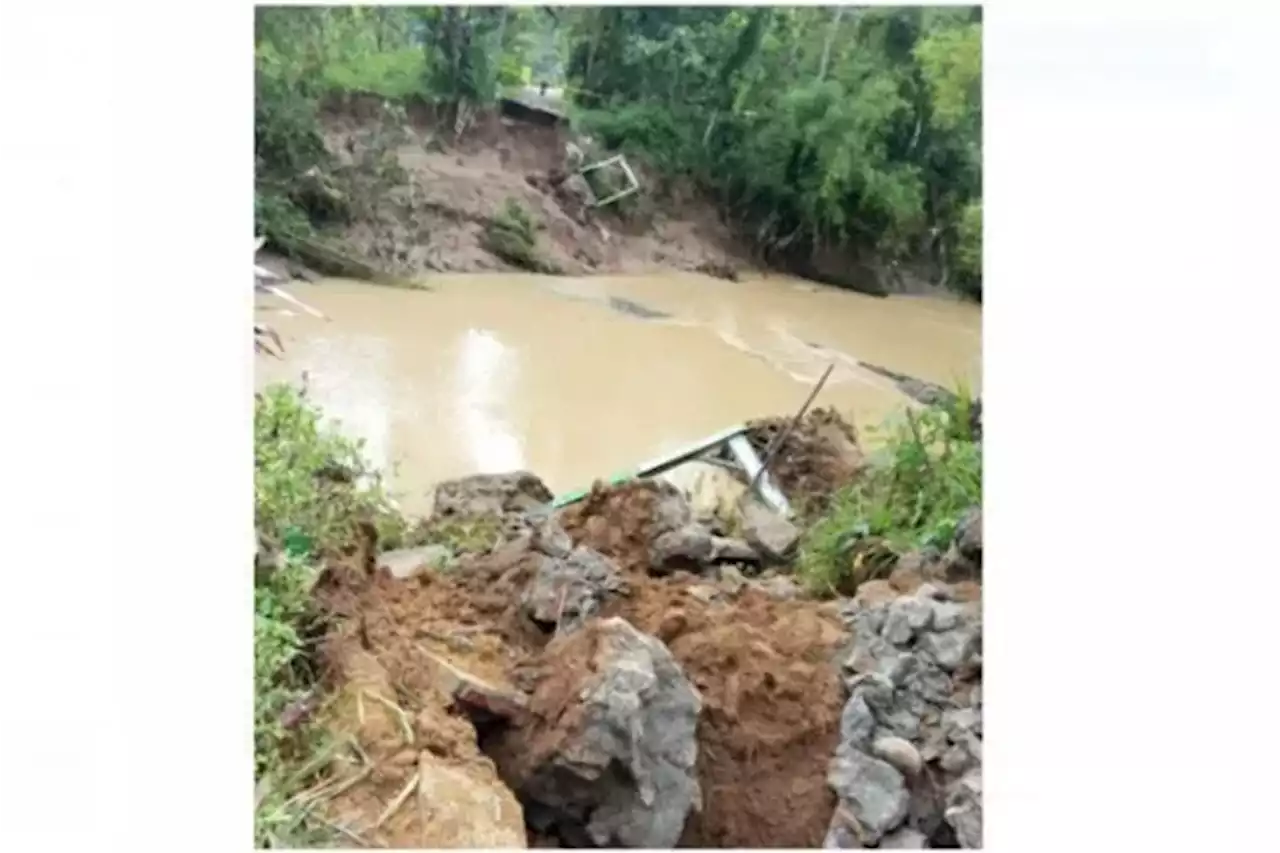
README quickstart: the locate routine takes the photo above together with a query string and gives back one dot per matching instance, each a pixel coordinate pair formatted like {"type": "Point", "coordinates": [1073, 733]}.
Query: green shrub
{"type": "Point", "coordinates": [513, 236]}
{"type": "Point", "coordinates": [921, 481]}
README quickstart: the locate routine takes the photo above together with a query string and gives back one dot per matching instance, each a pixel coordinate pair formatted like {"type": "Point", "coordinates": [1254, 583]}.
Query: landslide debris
{"type": "Point", "coordinates": [577, 685]}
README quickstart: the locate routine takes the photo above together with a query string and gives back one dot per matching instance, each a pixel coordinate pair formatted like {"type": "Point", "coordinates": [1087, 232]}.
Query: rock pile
{"type": "Point", "coordinates": [908, 770]}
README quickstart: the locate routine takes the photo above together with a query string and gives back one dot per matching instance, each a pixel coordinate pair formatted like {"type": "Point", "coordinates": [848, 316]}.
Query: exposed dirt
{"type": "Point", "coordinates": [419, 666]}
{"type": "Point", "coordinates": [616, 521]}
{"type": "Point", "coordinates": [772, 702]}
{"type": "Point", "coordinates": [763, 666]}
{"type": "Point", "coordinates": [423, 198]}
{"type": "Point", "coordinates": [772, 695]}
{"type": "Point", "coordinates": [818, 457]}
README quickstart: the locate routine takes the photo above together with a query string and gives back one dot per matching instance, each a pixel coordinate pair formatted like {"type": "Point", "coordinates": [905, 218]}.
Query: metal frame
{"type": "Point", "coordinates": [730, 445]}
{"type": "Point", "coordinates": [633, 185]}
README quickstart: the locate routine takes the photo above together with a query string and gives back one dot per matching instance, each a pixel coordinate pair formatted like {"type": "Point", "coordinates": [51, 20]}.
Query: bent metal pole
{"type": "Point", "coordinates": [776, 444]}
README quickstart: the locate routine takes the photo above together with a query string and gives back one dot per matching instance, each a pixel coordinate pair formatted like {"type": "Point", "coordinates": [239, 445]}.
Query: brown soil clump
{"type": "Point", "coordinates": [617, 521]}
{"type": "Point", "coordinates": [820, 456]}
{"type": "Point", "coordinates": [771, 717]}
{"type": "Point", "coordinates": [414, 662]}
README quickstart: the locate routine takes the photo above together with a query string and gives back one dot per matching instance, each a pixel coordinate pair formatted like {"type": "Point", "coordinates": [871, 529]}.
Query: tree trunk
{"type": "Point", "coordinates": [826, 48]}
{"type": "Point", "coordinates": [502, 29]}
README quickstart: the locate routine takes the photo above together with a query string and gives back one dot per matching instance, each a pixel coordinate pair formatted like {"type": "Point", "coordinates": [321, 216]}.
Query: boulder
{"type": "Point", "coordinates": [728, 550]}
{"type": "Point", "coordinates": [689, 547]}
{"type": "Point", "coordinates": [609, 757]}
{"type": "Point", "coordinates": [870, 790]}
{"type": "Point", "coordinates": [565, 592]}
{"type": "Point", "coordinates": [491, 494]}
{"type": "Point", "coordinates": [771, 535]}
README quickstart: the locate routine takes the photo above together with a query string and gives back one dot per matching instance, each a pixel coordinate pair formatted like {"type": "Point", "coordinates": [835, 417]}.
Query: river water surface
{"type": "Point", "coordinates": [579, 378]}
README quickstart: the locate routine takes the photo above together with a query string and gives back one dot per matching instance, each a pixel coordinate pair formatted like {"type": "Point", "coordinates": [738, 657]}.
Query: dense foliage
{"type": "Point", "coordinates": [844, 127]}
{"type": "Point", "coordinates": [815, 127]}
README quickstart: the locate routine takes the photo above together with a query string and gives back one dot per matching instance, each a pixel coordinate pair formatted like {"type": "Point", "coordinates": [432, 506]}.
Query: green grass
{"type": "Point", "coordinates": [311, 491]}
{"type": "Point", "coordinates": [921, 480]}
{"type": "Point", "coordinates": [395, 74]}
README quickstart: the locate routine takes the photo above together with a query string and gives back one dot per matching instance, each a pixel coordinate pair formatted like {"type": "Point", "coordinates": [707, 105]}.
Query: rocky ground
{"type": "Point", "coordinates": [633, 671]}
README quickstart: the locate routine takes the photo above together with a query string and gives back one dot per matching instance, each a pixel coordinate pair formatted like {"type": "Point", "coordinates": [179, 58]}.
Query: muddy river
{"type": "Point", "coordinates": [578, 378]}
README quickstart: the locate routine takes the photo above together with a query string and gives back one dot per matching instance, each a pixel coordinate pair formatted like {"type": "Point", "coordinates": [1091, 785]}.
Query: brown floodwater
{"type": "Point", "coordinates": [579, 378]}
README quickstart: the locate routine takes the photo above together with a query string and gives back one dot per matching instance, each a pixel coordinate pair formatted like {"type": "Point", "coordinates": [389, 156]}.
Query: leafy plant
{"type": "Point", "coordinates": [311, 479]}
{"type": "Point", "coordinates": [926, 475]}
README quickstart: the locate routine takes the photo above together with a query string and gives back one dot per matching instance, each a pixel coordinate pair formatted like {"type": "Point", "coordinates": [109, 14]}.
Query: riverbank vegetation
{"type": "Point", "coordinates": [846, 129]}
{"type": "Point", "coordinates": [921, 481]}
{"type": "Point", "coordinates": [311, 492]}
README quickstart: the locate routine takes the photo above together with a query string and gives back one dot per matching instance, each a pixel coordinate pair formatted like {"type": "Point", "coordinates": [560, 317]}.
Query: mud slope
{"type": "Point", "coordinates": [423, 198]}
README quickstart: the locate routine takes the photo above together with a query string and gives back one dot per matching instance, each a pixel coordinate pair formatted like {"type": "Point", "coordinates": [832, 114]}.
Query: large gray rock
{"type": "Point", "coordinates": [689, 547]}
{"type": "Point", "coordinates": [909, 763]}
{"type": "Point", "coordinates": [406, 563]}
{"type": "Point", "coordinates": [613, 761]}
{"type": "Point", "coordinates": [771, 535]}
{"type": "Point", "coordinates": [871, 790]}
{"type": "Point", "coordinates": [680, 542]}
{"type": "Point", "coordinates": [567, 591]}
{"type": "Point", "coordinates": [491, 494]}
